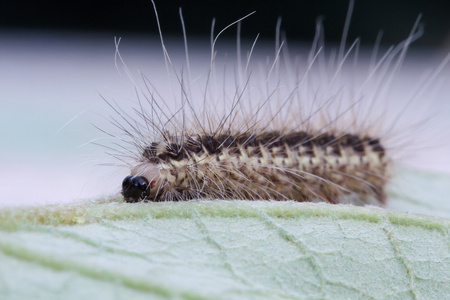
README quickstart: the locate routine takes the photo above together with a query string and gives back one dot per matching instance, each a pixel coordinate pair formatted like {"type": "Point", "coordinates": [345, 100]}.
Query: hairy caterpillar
{"type": "Point", "coordinates": [286, 135]}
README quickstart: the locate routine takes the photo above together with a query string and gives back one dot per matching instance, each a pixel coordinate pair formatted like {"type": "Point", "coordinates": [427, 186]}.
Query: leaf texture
{"type": "Point", "coordinates": [107, 249]}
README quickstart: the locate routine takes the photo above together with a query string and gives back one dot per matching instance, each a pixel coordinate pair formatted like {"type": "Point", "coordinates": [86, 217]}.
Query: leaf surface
{"type": "Point", "coordinates": [106, 249]}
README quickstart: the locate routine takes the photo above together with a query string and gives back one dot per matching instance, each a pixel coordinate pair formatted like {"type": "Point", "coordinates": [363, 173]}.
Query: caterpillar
{"type": "Point", "coordinates": [264, 165]}
{"type": "Point", "coordinates": [282, 136]}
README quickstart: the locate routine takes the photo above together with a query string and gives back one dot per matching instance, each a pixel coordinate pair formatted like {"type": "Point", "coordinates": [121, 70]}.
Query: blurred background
{"type": "Point", "coordinates": [57, 61]}
{"type": "Point", "coordinates": [119, 17]}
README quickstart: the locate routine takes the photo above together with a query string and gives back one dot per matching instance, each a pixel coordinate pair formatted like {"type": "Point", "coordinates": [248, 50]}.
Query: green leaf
{"type": "Point", "coordinates": [107, 249]}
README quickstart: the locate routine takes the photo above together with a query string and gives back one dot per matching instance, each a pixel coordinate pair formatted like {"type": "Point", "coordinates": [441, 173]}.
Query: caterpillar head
{"type": "Point", "coordinates": [135, 188]}
{"type": "Point", "coordinates": [145, 182]}
{"type": "Point", "coordinates": [142, 185]}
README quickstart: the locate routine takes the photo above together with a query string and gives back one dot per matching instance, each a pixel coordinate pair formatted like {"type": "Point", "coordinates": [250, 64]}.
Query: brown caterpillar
{"type": "Point", "coordinates": [267, 165]}
{"type": "Point", "coordinates": [289, 149]}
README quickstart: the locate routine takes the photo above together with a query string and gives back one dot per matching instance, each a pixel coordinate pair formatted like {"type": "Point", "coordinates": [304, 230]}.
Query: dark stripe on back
{"type": "Point", "coordinates": [216, 144]}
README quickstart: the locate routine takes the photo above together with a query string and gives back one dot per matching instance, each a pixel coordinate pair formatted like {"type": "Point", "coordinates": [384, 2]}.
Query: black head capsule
{"type": "Point", "coordinates": [135, 188]}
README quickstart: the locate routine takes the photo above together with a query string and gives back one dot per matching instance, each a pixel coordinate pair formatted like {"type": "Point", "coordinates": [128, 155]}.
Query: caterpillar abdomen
{"type": "Point", "coordinates": [268, 165]}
